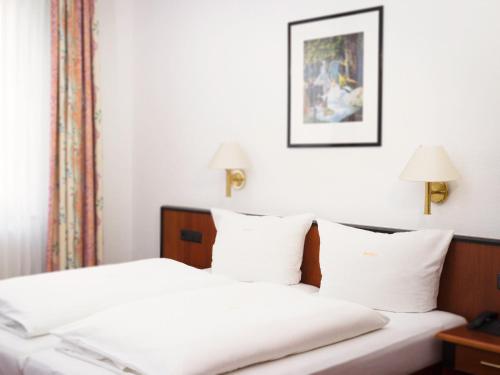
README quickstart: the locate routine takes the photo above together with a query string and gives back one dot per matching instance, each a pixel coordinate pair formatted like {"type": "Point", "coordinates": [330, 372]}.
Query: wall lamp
{"type": "Point", "coordinates": [231, 157]}
{"type": "Point", "coordinates": [432, 165]}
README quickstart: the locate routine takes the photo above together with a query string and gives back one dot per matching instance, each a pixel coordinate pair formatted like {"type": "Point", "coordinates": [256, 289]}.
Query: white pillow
{"type": "Point", "coordinates": [259, 248]}
{"type": "Point", "coordinates": [393, 272]}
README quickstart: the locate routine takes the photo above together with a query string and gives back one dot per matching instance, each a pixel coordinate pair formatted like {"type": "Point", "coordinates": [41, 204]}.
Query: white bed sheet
{"type": "Point", "coordinates": [405, 345]}
{"type": "Point", "coordinates": [14, 350]}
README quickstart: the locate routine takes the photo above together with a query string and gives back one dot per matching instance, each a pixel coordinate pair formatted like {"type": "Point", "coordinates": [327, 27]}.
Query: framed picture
{"type": "Point", "coordinates": [335, 80]}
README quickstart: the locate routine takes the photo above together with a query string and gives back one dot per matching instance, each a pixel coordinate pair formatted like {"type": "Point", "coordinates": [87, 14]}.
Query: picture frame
{"type": "Point", "coordinates": [335, 66]}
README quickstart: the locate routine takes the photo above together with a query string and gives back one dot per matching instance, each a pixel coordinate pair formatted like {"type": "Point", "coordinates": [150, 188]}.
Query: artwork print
{"type": "Point", "coordinates": [333, 79]}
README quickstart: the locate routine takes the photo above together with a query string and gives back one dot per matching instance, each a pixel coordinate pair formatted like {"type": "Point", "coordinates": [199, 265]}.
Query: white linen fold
{"type": "Point", "coordinates": [33, 305]}
{"type": "Point", "coordinates": [211, 331]}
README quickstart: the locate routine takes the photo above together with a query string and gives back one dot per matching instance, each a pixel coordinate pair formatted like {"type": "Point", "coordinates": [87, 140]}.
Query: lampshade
{"type": "Point", "coordinates": [430, 164]}
{"type": "Point", "coordinates": [229, 156]}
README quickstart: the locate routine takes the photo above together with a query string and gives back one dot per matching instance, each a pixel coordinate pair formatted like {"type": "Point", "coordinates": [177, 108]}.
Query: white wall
{"type": "Point", "coordinates": [210, 71]}
{"type": "Point", "coordinates": [116, 93]}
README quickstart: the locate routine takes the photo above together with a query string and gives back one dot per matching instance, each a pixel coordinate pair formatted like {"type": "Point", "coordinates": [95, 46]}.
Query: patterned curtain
{"type": "Point", "coordinates": [75, 204]}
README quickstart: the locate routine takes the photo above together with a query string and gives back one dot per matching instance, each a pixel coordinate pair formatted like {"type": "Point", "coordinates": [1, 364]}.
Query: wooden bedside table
{"type": "Point", "coordinates": [470, 351]}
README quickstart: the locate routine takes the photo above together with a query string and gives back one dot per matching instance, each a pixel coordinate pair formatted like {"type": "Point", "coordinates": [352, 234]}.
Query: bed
{"type": "Point", "coordinates": [405, 345]}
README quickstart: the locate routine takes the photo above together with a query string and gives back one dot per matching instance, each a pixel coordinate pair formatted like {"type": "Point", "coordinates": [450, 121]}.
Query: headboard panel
{"type": "Point", "coordinates": [468, 281]}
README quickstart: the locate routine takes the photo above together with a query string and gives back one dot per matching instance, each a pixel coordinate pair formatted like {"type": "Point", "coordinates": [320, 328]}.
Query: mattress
{"type": "Point", "coordinates": [405, 345]}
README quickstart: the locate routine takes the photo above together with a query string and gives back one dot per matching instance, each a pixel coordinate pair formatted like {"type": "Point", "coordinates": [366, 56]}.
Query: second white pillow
{"type": "Point", "coordinates": [259, 248]}
{"type": "Point", "coordinates": [397, 272]}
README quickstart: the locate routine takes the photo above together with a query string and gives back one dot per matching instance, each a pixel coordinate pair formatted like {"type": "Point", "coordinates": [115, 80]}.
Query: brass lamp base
{"type": "Point", "coordinates": [235, 179]}
{"type": "Point", "coordinates": [435, 192]}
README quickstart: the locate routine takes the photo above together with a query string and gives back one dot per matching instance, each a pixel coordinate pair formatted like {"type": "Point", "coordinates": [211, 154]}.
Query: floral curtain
{"type": "Point", "coordinates": [75, 202]}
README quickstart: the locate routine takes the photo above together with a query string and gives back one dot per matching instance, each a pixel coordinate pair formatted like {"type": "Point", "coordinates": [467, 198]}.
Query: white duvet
{"type": "Point", "coordinates": [210, 331]}
{"type": "Point", "coordinates": [33, 305]}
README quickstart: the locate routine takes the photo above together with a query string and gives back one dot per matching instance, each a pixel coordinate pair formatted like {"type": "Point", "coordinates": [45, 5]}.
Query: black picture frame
{"type": "Point", "coordinates": [378, 142]}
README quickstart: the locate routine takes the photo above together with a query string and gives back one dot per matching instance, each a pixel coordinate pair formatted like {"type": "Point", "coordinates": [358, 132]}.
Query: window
{"type": "Point", "coordinates": [24, 134]}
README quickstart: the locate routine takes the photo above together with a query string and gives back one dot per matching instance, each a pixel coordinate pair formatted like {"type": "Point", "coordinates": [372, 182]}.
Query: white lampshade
{"type": "Point", "coordinates": [229, 156]}
{"type": "Point", "coordinates": [430, 164]}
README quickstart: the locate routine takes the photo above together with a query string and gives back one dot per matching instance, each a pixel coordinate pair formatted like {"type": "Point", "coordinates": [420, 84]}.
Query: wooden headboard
{"type": "Point", "coordinates": [468, 282]}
